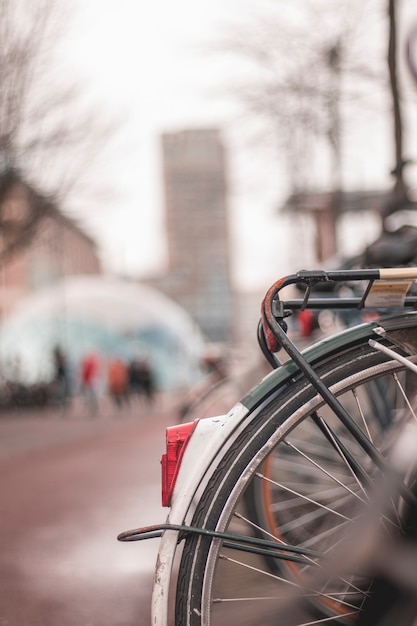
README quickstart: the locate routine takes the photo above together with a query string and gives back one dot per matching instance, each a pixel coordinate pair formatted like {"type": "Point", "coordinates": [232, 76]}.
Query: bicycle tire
{"type": "Point", "coordinates": [203, 564]}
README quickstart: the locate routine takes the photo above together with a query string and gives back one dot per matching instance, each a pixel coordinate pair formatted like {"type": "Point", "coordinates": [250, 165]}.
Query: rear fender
{"type": "Point", "coordinates": [207, 438]}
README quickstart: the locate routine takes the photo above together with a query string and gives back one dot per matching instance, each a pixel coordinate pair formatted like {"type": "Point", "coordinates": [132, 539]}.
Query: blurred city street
{"type": "Point", "coordinates": [70, 483]}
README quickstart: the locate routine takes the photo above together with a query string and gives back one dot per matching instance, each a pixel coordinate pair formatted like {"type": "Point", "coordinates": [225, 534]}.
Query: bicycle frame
{"type": "Point", "coordinates": [213, 436]}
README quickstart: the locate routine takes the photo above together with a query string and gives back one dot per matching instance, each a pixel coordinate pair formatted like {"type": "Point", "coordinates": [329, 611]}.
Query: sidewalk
{"type": "Point", "coordinates": [27, 430]}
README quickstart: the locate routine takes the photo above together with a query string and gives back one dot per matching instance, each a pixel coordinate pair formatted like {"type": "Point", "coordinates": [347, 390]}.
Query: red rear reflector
{"type": "Point", "coordinates": [177, 438]}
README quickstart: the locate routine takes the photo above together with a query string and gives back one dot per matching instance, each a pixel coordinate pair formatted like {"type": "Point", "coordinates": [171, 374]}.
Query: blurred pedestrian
{"type": "Point", "coordinates": [141, 378]}
{"type": "Point", "coordinates": [118, 382]}
{"type": "Point", "coordinates": [147, 379]}
{"type": "Point", "coordinates": [90, 371]}
{"type": "Point", "coordinates": [134, 375]}
{"type": "Point", "coordinates": [61, 376]}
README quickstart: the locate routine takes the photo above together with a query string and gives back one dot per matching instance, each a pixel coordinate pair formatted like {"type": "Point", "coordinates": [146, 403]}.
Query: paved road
{"type": "Point", "coordinates": [69, 484]}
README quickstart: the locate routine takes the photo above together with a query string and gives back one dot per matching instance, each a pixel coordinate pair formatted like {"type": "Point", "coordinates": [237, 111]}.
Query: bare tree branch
{"type": "Point", "coordinates": [307, 64]}
{"type": "Point", "coordinates": [48, 138]}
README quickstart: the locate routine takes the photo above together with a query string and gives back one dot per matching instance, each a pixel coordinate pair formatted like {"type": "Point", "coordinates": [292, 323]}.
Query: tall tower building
{"type": "Point", "coordinates": [194, 174]}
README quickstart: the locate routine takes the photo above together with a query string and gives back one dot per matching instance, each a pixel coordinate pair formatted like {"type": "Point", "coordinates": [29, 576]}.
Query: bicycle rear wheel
{"type": "Point", "coordinates": [311, 479]}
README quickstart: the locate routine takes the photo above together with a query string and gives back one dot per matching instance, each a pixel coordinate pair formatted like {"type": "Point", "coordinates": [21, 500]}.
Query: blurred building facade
{"type": "Point", "coordinates": [50, 245]}
{"type": "Point", "coordinates": [195, 184]}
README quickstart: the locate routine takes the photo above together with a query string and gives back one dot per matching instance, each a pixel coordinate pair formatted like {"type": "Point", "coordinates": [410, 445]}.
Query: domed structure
{"type": "Point", "coordinates": [110, 316]}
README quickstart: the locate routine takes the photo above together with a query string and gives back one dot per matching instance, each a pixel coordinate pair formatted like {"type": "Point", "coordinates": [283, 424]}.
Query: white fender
{"type": "Point", "coordinates": [207, 439]}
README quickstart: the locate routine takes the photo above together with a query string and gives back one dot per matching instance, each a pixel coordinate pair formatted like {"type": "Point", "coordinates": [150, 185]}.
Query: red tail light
{"type": "Point", "coordinates": [177, 438]}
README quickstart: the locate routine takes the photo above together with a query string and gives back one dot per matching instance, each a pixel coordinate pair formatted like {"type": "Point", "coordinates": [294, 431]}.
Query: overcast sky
{"type": "Point", "coordinates": [150, 65]}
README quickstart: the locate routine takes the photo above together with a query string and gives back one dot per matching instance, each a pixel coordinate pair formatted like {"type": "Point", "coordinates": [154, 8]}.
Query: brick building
{"type": "Point", "coordinates": [49, 246]}
{"type": "Point", "coordinates": [195, 184]}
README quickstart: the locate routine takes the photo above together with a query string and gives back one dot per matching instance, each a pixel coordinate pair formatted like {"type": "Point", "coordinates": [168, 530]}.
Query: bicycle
{"type": "Point", "coordinates": [287, 477]}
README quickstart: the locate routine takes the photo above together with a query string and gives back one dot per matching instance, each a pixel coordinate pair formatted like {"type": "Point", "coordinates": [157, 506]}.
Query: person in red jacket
{"type": "Point", "coordinates": [90, 370]}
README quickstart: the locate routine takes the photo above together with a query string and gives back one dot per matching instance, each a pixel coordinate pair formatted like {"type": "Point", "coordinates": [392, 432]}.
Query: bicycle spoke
{"type": "Point", "coordinates": [361, 413]}
{"type": "Point", "coordinates": [280, 541]}
{"type": "Point", "coordinates": [317, 538]}
{"type": "Point", "coordinates": [404, 395]}
{"type": "Point", "coordinates": [324, 620]}
{"type": "Point", "coordinates": [292, 464]}
{"type": "Point", "coordinates": [332, 495]}
{"type": "Point", "coordinates": [327, 473]}
{"type": "Point", "coordinates": [350, 460]}
{"type": "Point", "coordinates": [288, 582]}
{"type": "Point", "coordinates": [304, 497]}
